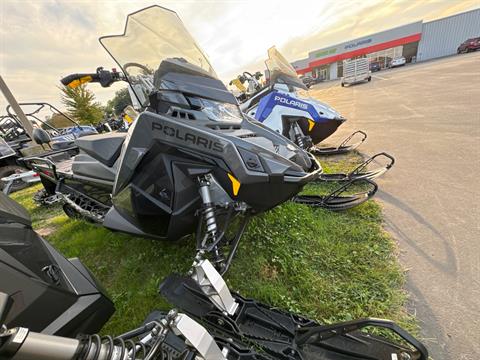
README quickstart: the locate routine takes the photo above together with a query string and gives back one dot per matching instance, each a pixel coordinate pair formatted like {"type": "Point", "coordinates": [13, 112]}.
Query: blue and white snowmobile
{"type": "Point", "coordinates": [304, 120]}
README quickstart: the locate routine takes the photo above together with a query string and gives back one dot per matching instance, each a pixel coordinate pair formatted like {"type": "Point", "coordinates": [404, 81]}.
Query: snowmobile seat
{"type": "Point", "coordinates": [41, 137]}
{"type": "Point", "coordinates": [102, 147]}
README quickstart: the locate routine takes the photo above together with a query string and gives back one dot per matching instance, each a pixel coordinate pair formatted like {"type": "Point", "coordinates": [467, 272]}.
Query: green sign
{"type": "Point", "coordinates": [325, 52]}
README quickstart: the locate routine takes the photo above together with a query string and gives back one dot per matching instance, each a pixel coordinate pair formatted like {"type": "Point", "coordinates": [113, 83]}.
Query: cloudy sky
{"type": "Point", "coordinates": [42, 40]}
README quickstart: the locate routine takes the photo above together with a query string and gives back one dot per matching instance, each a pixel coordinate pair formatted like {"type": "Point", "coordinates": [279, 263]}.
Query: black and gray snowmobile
{"type": "Point", "coordinates": [50, 307]}
{"type": "Point", "coordinates": [192, 161]}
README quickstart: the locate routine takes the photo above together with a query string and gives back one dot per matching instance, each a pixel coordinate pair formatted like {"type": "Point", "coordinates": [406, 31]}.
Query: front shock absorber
{"type": "Point", "coordinates": [298, 136]}
{"type": "Point", "coordinates": [208, 208]}
{"type": "Point", "coordinates": [211, 228]}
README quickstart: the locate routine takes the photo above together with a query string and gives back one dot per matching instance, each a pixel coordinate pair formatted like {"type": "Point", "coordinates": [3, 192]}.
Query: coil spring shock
{"type": "Point", "coordinates": [298, 136]}
{"type": "Point", "coordinates": [208, 209]}
{"type": "Point", "coordinates": [95, 347]}
{"type": "Point", "coordinates": [208, 213]}
{"type": "Point", "coordinates": [299, 141]}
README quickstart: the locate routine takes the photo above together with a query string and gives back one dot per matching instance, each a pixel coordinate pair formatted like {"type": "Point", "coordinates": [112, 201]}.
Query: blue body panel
{"type": "Point", "coordinates": [275, 98]}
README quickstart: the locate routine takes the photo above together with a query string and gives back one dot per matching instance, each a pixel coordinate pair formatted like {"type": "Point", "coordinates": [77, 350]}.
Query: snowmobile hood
{"type": "Point", "coordinates": [269, 145]}
{"type": "Point", "coordinates": [324, 110]}
{"type": "Point", "coordinates": [11, 211]}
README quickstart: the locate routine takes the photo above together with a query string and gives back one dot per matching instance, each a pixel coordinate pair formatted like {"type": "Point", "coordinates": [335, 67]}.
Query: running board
{"type": "Point", "coordinates": [335, 201]}
{"type": "Point", "coordinates": [281, 335]}
{"type": "Point", "coordinates": [360, 171]}
{"type": "Point", "coordinates": [342, 148]}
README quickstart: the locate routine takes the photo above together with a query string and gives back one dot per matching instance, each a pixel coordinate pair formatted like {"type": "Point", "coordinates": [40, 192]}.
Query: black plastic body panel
{"type": "Point", "coordinates": [50, 293]}
{"type": "Point", "coordinates": [320, 131]}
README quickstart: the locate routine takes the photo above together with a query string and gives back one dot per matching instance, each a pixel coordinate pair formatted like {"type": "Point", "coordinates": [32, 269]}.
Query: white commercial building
{"type": "Point", "coordinates": [418, 41]}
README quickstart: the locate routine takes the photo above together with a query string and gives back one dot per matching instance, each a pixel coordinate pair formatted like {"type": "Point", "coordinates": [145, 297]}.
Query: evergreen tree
{"type": "Point", "coordinates": [81, 105]}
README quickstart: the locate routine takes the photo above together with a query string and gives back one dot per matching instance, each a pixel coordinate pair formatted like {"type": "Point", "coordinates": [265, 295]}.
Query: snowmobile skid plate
{"type": "Point", "coordinates": [343, 148]}
{"type": "Point", "coordinates": [361, 172]}
{"type": "Point", "coordinates": [285, 336]}
{"type": "Point", "coordinates": [337, 200]}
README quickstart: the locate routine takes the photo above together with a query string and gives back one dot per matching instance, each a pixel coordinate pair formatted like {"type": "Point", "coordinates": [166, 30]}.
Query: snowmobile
{"type": "Point", "coordinates": [253, 82]}
{"type": "Point", "coordinates": [303, 120]}
{"type": "Point", "coordinates": [59, 143]}
{"type": "Point", "coordinates": [15, 142]}
{"type": "Point", "coordinates": [191, 161]}
{"type": "Point", "coordinates": [269, 105]}
{"type": "Point", "coordinates": [61, 137]}
{"type": "Point", "coordinates": [217, 324]}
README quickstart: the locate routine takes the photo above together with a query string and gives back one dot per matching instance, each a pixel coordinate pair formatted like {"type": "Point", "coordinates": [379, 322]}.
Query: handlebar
{"type": "Point", "coordinates": [104, 77]}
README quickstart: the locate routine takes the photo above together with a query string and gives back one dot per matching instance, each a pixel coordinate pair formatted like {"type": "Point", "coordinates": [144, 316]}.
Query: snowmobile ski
{"type": "Point", "coordinates": [337, 200]}
{"type": "Point", "coordinates": [344, 146]}
{"type": "Point", "coordinates": [285, 336]}
{"type": "Point", "coordinates": [361, 172]}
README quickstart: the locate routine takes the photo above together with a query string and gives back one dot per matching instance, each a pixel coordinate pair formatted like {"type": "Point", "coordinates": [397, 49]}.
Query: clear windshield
{"type": "Point", "coordinates": [277, 63]}
{"type": "Point", "coordinates": [152, 35]}
{"type": "Point", "coordinates": [281, 70]}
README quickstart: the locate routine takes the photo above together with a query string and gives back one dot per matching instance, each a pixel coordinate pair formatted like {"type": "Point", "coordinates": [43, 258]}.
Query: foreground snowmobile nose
{"type": "Point", "coordinates": [282, 335]}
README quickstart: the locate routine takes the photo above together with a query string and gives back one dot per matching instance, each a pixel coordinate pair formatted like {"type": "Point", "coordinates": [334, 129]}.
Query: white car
{"type": "Point", "coordinates": [398, 62]}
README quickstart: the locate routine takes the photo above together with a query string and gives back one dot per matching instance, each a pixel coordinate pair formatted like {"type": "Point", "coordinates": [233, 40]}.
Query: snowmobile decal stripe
{"type": "Point", "coordinates": [235, 184]}
{"type": "Point", "coordinates": [266, 105]}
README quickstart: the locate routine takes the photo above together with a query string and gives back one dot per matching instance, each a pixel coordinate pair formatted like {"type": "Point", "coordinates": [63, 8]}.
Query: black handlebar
{"type": "Point", "coordinates": [82, 78]}
{"type": "Point", "coordinates": [104, 77]}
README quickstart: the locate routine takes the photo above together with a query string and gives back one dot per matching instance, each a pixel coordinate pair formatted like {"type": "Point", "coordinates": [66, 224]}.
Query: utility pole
{"type": "Point", "coordinates": [27, 125]}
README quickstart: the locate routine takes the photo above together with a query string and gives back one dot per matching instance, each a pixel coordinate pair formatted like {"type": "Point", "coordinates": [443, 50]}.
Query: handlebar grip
{"type": "Point", "coordinates": [23, 344]}
{"type": "Point", "coordinates": [74, 80]}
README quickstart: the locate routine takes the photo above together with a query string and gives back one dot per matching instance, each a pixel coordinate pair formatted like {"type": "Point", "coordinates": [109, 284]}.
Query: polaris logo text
{"type": "Point", "coordinates": [188, 138]}
{"type": "Point", "coordinates": [291, 102]}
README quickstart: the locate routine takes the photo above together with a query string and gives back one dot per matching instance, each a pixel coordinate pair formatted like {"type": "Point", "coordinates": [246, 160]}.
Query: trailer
{"type": "Point", "coordinates": [355, 71]}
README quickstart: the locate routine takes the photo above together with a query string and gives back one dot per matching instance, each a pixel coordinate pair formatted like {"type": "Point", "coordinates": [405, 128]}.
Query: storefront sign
{"type": "Point", "coordinates": [326, 52]}
{"type": "Point", "coordinates": [358, 43]}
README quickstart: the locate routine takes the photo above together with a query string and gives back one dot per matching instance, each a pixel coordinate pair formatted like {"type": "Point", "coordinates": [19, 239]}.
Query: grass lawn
{"type": "Point", "coordinates": [325, 265]}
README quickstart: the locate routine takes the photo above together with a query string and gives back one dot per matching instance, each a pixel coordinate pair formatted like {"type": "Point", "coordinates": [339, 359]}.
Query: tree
{"type": "Point", "coordinates": [120, 101]}
{"type": "Point", "coordinates": [81, 105]}
{"type": "Point", "coordinates": [57, 121]}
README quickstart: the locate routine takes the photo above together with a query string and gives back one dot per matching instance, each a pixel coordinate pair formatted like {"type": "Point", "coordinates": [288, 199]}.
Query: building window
{"type": "Point", "coordinates": [339, 68]}
{"type": "Point", "coordinates": [384, 57]}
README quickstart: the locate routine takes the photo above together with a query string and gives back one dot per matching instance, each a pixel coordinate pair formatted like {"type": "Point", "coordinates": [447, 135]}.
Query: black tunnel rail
{"type": "Point", "coordinates": [344, 146]}
{"type": "Point", "coordinates": [337, 200]}
{"type": "Point", "coordinates": [361, 172]}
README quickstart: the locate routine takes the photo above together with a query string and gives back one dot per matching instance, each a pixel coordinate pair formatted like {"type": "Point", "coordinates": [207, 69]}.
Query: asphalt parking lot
{"type": "Point", "coordinates": [428, 116]}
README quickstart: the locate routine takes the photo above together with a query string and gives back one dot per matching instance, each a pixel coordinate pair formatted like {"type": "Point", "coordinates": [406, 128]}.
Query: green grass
{"type": "Point", "coordinates": [328, 266]}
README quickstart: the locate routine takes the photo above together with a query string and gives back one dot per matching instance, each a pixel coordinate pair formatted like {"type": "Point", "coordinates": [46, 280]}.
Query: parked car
{"type": "Point", "coordinates": [375, 66]}
{"type": "Point", "coordinates": [469, 45]}
{"type": "Point", "coordinates": [397, 62]}
{"type": "Point", "coordinates": [309, 81]}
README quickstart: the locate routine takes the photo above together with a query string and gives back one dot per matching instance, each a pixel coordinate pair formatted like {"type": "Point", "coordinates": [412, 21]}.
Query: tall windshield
{"type": "Point", "coordinates": [281, 71]}
{"type": "Point", "coordinates": [151, 36]}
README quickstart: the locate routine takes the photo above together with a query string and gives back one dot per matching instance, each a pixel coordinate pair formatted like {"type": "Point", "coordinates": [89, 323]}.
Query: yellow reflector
{"type": "Point", "coordinates": [311, 124]}
{"type": "Point", "coordinates": [235, 184]}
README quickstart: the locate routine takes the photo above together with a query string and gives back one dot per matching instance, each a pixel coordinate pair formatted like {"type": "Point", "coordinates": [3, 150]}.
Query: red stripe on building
{"type": "Point", "coordinates": [362, 51]}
